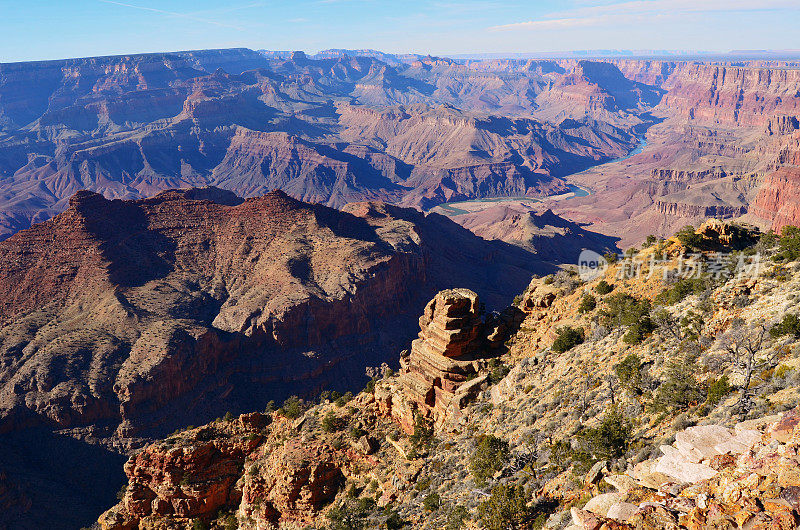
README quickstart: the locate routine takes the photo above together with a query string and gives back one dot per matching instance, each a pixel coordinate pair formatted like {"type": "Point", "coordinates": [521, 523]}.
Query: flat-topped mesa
{"type": "Point", "coordinates": [441, 372]}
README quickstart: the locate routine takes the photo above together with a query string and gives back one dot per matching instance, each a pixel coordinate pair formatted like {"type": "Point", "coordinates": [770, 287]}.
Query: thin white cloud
{"type": "Point", "coordinates": [622, 11]}
{"type": "Point", "coordinates": [185, 16]}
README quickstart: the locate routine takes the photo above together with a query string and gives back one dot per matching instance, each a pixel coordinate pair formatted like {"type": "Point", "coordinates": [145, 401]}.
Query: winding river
{"type": "Point", "coordinates": [458, 207]}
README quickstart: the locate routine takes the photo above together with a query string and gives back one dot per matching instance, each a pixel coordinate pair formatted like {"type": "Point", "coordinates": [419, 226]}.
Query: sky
{"type": "Point", "coordinates": [52, 29]}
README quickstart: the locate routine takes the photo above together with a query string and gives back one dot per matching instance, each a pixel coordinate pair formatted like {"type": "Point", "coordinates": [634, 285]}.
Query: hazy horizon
{"type": "Point", "coordinates": [85, 28]}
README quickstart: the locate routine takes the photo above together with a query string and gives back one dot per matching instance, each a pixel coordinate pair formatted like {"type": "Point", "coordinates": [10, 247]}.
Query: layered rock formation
{"type": "Point", "coordinates": [440, 374]}
{"type": "Point", "coordinates": [127, 319]}
{"type": "Point", "coordinates": [332, 129]}
{"type": "Point", "coordinates": [198, 281]}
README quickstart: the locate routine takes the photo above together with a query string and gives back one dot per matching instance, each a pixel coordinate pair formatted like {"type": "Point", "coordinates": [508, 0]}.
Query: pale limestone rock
{"type": "Point", "coordinates": [622, 483]}
{"type": "Point", "coordinates": [740, 443]}
{"type": "Point", "coordinates": [621, 511]}
{"type": "Point", "coordinates": [600, 504]}
{"type": "Point", "coordinates": [697, 443]}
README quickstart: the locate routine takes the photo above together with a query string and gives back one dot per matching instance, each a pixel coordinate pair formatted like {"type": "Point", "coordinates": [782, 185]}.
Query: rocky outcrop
{"type": "Point", "coordinates": [778, 198]}
{"type": "Point", "coordinates": [441, 373]}
{"type": "Point", "coordinates": [304, 286]}
{"type": "Point", "coordinates": [732, 95]}
{"type": "Point", "coordinates": [295, 483]}
{"type": "Point", "coordinates": [676, 209]}
{"type": "Point", "coordinates": [710, 477]}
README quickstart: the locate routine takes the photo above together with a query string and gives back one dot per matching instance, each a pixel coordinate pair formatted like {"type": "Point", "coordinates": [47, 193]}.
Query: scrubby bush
{"type": "Point", "coordinates": [603, 287]}
{"type": "Point", "coordinates": [588, 303]}
{"type": "Point", "coordinates": [292, 408]}
{"type": "Point", "coordinates": [718, 389]}
{"type": "Point", "coordinates": [506, 508]}
{"type": "Point", "coordinates": [456, 517]}
{"type": "Point", "coordinates": [679, 390]}
{"type": "Point", "coordinates": [623, 309]}
{"type": "Point", "coordinates": [422, 437]}
{"type": "Point", "coordinates": [431, 502]}
{"type": "Point", "coordinates": [790, 325]}
{"type": "Point", "coordinates": [332, 423]}
{"type": "Point", "coordinates": [689, 237]}
{"type": "Point", "coordinates": [567, 338]}
{"type": "Point", "coordinates": [629, 373]}
{"type": "Point", "coordinates": [489, 457]}
{"type": "Point", "coordinates": [394, 521]}
{"type": "Point", "coordinates": [611, 438]}
{"type": "Point", "coordinates": [788, 244]}
{"type": "Point", "coordinates": [681, 289]}
{"type": "Point", "coordinates": [498, 370]}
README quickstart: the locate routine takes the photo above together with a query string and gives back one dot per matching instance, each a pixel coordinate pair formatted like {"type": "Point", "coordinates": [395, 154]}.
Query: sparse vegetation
{"type": "Point", "coordinates": [610, 439]}
{"type": "Point", "coordinates": [629, 373]}
{"type": "Point", "coordinates": [790, 325]}
{"type": "Point", "coordinates": [332, 423]}
{"type": "Point", "coordinates": [689, 237]}
{"type": "Point", "coordinates": [292, 408]}
{"type": "Point", "coordinates": [567, 337]}
{"type": "Point", "coordinates": [489, 456]}
{"type": "Point", "coordinates": [588, 303]}
{"type": "Point", "coordinates": [603, 287]}
{"type": "Point", "coordinates": [506, 508]}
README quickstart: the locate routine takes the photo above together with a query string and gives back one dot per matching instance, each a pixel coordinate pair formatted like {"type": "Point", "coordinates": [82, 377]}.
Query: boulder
{"type": "Point", "coordinates": [621, 511]}
{"type": "Point", "coordinates": [602, 503]}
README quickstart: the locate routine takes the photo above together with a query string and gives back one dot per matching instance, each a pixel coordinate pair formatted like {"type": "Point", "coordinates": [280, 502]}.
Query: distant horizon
{"type": "Point", "coordinates": [765, 54]}
{"type": "Point", "coordinates": [51, 30]}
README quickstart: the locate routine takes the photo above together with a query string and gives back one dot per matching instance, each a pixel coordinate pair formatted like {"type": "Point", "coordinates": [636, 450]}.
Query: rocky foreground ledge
{"type": "Point", "coordinates": [711, 477]}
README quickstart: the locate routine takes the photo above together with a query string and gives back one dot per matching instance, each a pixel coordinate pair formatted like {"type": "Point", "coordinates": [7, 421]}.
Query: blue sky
{"type": "Point", "coordinates": [49, 29]}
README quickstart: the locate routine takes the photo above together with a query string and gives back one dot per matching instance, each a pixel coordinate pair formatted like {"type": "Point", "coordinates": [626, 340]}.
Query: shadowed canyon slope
{"type": "Point", "coordinates": [129, 318]}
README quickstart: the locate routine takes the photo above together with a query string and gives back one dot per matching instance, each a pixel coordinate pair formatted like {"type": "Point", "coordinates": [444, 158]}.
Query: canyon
{"type": "Point", "coordinates": [192, 235]}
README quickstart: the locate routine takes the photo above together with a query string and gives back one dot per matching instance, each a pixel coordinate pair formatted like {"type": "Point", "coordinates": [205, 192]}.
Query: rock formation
{"type": "Point", "coordinates": [128, 319]}
{"type": "Point", "coordinates": [712, 478]}
{"type": "Point", "coordinates": [441, 373]}
{"type": "Point", "coordinates": [333, 129]}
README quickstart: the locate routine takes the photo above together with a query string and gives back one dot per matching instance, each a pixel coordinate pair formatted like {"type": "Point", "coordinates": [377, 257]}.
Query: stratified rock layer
{"type": "Point", "coordinates": [440, 373]}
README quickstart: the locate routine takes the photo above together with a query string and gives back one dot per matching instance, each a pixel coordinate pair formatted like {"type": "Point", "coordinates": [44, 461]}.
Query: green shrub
{"type": "Point", "coordinates": [610, 257]}
{"type": "Point", "coordinates": [689, 237]}
{"type": "Point", "coordinates": [498, 371]}
{"type": "Point", "coordinates": [680, 389]}
{"type": "Point", "coordinates": [422, 438]}
{"type": "Point", "coordinates": [489, 457]}
{"type": "Point", "coordinates": [718, 389]}
{"type": "Point", "coordinates": [623, 309]}
{"type": "Point", "coordinates": [506, 508]}
{"type": "Point", "coordinates": [456, 517]}
{"type": "Point", "coordinates": [431, 502]}
{"type": "Point", "coordinates": [198, 524]}
{"type": "Point", "coordinates": [611, 439]}
{"type": "Point", "coordinates": [567, 338]}
{"type": "Point", "coordinates": [394, 521]}
{"type": "Point", "coordinates": [650, 241]}
{"type": "Point", "coordinates": [681, 289]}
{"type": "Point", "coordinates": [603, 287]}
{"type": "Point", "coordinates": [344, 399]}
{"type": "Point", "coordinates": [588, 303]}
{"type": "Point", "coordinates": [790, 325]}
{"type": "Point", "coordinates": [629, 373]}
{"type": "Point", "coordinates": [788, 244]}
{"type": "Point", "coordinates": [292, 408]}
{"type": "Point", "coordinates": [346, 516]}
{"type": "Point", "coordinates": [332, 423]}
